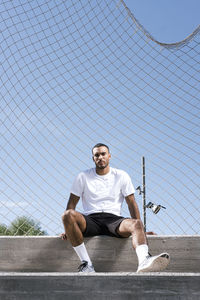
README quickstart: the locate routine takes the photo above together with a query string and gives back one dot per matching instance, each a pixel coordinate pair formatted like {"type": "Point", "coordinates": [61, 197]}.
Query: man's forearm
{"type": "Point", "coordinates": [133, 207]}
{"type": "Point", "coordinates": [134, 211]}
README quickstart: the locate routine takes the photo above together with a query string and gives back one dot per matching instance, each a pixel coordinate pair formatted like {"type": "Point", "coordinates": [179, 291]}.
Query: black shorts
{"type": "Point", "coordinates": [102, 224]}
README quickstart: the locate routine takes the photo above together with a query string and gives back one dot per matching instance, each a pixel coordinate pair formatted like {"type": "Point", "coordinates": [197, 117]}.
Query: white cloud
{"type": "Point", "coordinates": [11, 204]}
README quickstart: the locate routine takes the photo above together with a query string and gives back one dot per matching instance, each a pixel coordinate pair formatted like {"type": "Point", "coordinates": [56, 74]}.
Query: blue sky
{"type": "Point", "coordinates": [75, 73]}
{"type": "Point", "coordinates": [167, 21]}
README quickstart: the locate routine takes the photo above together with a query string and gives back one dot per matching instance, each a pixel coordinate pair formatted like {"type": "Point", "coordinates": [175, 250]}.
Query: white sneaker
{"type": "Point", "coordinates": [85, 268]}
{"type": "Point", "coordinates": [154, 263]}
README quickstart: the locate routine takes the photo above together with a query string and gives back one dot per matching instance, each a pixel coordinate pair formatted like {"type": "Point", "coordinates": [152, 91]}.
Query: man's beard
{"type": "Point", "coordinates": [101, 167]}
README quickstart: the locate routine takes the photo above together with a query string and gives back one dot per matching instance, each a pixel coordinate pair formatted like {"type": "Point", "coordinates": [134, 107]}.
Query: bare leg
{"type": "Point", "coordinates": [74, 224]}
{"type": "Point", "coordinates": [135, 228]}
{"type": "Point", "coordinates": [146, 263]}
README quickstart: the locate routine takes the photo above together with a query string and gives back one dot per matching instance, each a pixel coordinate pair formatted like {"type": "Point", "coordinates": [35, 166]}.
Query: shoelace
{"type": "Point", "coordinates": [82, 266]}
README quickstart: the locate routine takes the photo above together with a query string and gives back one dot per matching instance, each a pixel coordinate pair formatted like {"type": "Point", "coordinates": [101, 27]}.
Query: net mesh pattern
{"type": "Point", "coordinates": [75, 73]}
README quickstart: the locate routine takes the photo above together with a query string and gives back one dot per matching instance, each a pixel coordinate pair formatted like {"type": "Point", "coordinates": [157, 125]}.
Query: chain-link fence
{"type": "Point", "coordinates": [75, 73]}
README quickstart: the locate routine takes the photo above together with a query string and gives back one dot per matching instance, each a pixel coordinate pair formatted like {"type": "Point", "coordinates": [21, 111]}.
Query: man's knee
{"type": "Point", "coordinates": [137, 225]}
{"type": "Point", "coordinates": [69, 216]}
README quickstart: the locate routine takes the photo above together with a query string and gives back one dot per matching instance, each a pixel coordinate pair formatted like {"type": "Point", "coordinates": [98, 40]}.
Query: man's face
{"type": "Point", "coordinates": [101, 157]}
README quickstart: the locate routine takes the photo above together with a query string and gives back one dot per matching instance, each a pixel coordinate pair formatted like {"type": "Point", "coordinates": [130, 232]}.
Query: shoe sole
{"type": "Point", "coordinates": [86, 272]}
{"type": "Point", "coordinates": [158, 264]}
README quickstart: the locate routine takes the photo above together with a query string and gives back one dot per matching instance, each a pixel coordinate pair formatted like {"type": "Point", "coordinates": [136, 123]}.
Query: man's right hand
{"type": "Point", "coordinates": [63, 236]}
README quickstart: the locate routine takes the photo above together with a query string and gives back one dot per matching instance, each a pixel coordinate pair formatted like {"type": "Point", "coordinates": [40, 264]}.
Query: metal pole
{"type": "Point", "coordinates": [144, 192]}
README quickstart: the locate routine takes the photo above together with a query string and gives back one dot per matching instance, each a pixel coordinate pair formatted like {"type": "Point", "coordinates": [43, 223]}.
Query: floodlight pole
{"type": "Point", "coordinates": [144, 192]}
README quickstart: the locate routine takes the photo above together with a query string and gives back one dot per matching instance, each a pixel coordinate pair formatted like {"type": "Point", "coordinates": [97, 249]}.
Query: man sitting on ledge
{"type": "Point", "coordinates": [103, 190]}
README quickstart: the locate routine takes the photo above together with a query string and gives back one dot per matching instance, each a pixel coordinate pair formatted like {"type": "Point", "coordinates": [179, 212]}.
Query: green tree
{"type": "Point", "coordinates": [4, 230]}
{"type": "Point", "coordinates": [22, 226]}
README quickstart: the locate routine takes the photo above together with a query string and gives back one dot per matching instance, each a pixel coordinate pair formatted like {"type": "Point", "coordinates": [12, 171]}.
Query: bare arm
{"type": "Point", "coordinates": [72, 202]}
{"type": "Point", "coordinates": [134, 210]}
{"type": "Point", "coordinates": [133, 207]}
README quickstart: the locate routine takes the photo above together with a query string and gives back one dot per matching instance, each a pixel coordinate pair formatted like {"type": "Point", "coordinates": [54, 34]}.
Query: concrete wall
{"type": "Point", "coordinates": [51, 254]}
{"type": "Point", "coordinates": [100, 286]}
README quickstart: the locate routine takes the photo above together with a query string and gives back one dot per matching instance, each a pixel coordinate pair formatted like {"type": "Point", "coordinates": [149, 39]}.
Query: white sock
{"type": "Point", "coordinates": [142, 252]}
{"type": "Point", "coordinates": [82, 253]}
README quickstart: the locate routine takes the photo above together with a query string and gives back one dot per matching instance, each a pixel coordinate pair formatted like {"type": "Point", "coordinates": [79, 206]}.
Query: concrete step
{"type": "Point", "coordinates": [51, 254]}
{"type": "Point", "coordinates": [99, 286]}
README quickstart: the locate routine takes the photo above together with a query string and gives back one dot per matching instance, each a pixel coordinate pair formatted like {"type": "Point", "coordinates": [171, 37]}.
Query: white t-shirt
{"type": "Point", "coordinates": [102, 193]}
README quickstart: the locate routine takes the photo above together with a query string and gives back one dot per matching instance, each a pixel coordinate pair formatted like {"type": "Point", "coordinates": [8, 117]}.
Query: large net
{"type": "Point", "coordinates": [75, 73]}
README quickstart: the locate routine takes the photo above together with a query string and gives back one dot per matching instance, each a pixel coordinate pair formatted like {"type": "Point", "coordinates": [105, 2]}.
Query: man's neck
{"type": "Point", "coordinates": [103, 171]}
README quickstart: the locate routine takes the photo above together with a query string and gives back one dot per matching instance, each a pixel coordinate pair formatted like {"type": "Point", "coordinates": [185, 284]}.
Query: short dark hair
{"type": "Point", "coordinates": [100, 145]}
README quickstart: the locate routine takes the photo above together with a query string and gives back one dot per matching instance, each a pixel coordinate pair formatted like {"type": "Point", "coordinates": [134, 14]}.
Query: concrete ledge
{"type": "Point", "coordinates": [99, 286]}
{"type": "Point", "coordinates": [51, 254]}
